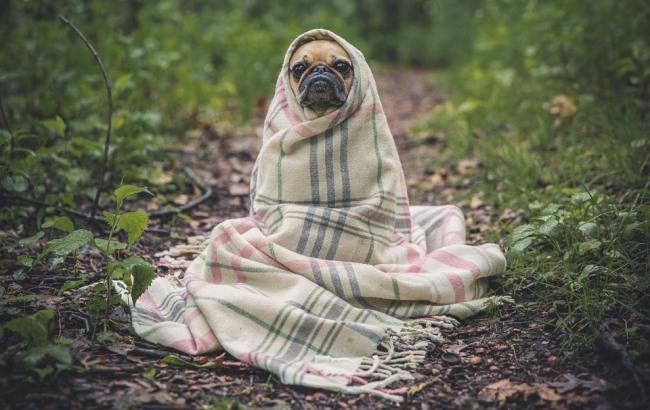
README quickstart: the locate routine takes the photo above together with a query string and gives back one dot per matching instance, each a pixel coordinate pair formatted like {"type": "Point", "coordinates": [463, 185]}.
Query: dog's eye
{"type": "Point", "coordinates": [298, 69]}
{"type": "Point", "coordinates": [342, 67]}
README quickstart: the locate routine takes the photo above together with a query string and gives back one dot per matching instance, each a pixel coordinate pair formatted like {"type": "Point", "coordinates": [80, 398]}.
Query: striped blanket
{"type": "Point", "coordinates": [334, 280]}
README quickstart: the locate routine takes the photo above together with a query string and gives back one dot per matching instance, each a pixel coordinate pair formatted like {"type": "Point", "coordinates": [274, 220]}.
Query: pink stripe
{"type": "Point", "coordinates": [148, 301]}
{"type": "Point", "coordinates": [458, 286]}
{"type": "Point", "coordinates": [190, 317]}
{"type": "Point", "coordinates": [450, 259]}
{"type": "Point", "coordinates": [196, 346]}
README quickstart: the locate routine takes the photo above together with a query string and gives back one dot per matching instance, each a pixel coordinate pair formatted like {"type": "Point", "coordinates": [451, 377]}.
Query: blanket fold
{"type": "Point", "coordinates": [334, 280]}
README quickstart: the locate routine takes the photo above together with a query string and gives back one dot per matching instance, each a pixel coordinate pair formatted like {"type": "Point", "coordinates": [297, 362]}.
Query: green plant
{"type": "Point", "coordinates": [586, 255]}
{"type": "Point", "coordinates": [133, 270]}
{"type": "Point", "coordinates": [39, 356]}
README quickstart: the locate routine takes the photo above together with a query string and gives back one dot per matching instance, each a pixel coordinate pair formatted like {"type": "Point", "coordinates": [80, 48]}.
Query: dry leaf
{"type": "Point", "coordinates": [562, 106]}
{"type": "Point", "coordinates": [476, 202]}
{"type": "Point", "coordinates": [182, 199]}
{"type": "Point", "coordinates": [503, 389]}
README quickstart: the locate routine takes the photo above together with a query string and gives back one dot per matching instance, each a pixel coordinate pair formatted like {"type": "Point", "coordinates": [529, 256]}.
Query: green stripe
{"type": "Point", "coordinates": [396, 289]}
{"type": "Point", "coordinates": [262, 323]}
{"type": "Point", "coordinates": [241, 268]}
{"type": "Point", "coordinates": [379, 238]}
{"type": "Point", "coordinates": [280, 163]}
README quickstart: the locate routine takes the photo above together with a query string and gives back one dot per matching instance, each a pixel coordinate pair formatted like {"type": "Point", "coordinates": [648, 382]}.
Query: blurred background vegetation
{"type": "Point", "coordinates": [172, 62]}
{"type": "Point", "coordinates": [550, 96]}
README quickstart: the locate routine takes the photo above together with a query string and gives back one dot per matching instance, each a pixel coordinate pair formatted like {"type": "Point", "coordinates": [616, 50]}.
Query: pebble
{"type": "Point", "coordinates": [474, 360]}
{"type": "Point", "coordinates": [494, 368]}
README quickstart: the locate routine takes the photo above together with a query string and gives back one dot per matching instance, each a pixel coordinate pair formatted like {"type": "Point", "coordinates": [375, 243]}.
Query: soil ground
{"type": "Point", "coordinates": [510, 358]}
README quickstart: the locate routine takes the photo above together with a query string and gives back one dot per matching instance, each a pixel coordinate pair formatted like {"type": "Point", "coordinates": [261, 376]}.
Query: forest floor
{"type": "Point", "coordinates": [511, 358]}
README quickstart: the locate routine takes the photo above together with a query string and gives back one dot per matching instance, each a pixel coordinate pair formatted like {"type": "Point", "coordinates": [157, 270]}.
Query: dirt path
{"type": "Point", "coordinates": [507, 358]}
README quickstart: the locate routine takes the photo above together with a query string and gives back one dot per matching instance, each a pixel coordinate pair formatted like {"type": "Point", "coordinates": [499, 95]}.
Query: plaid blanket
{"type": "Point", "coordinates": [334, 281]}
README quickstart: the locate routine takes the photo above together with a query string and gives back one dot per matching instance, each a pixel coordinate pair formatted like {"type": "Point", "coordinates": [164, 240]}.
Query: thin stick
{"type": "Point", "coordinates": [7, 126]}
{"type": "Point", "coordinates": [109, 116]}
{"type": "Point", "coordinates": [35, 202]}
{"type": "Point", "coordinates": [207, 193]}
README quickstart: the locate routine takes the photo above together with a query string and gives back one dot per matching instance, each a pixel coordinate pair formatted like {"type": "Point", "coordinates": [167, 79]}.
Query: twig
{"type": "Point", "coordinates": [109, 116]}
{"type": "Point", "coordinates": [207, 193]}
{"type": "Point", "coordinates": [70, 211]}
{"type": "Point", "coordinates": [7, 126]}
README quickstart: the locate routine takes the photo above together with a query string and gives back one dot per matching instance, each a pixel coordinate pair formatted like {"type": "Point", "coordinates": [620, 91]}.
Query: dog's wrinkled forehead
{"type": "Point", "coordinates": [319, 51]}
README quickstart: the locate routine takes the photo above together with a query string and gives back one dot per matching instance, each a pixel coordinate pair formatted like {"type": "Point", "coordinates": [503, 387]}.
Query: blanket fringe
{"type": "Point", "coordinates": [398, 354]}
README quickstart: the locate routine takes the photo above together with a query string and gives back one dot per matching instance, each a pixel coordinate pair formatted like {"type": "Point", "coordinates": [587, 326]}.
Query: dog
{"type": "Point", "coordinates": [321, 75]}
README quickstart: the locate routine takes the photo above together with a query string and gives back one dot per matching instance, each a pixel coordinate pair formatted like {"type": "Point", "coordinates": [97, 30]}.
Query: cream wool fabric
{"type": "Point", "coordinates": [321, 284]}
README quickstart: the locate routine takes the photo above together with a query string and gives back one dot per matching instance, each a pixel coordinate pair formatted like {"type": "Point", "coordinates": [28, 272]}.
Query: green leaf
{"type": "Point", "coordinates": [580, 197]}
{"type": "Point", "coordinates": [127, 191]}
{"type": "Point", "coordinates": [96, 305]}
{"type": "Point", "coordinates": [35, 357]}
{"type": "Point", "coordinates": [26, 242]}
{"type": "Point", "coordinates": [143, 275]}
{"type": "Point", "coordinates": [106, 336]}
{"type": "Point", "coordinates": [25, 260]}
{"type": "Point", "coordinates": [549, 228]}
{"type": "Point", "coordinates": [110, 218]}
{"type": "Point", "coordinates": [57, 125]}
{"type": "Point", "coordinates": [177, 361]}
{"type": "Point", "coordinates": [520, 246]}
{"type": "Point", "coordinates": [104, 247]}
{"type": "Point", "coordinates": [519, 233]}
{"type": "Point", "coordinates": [589, 229]}
{"type": "Point", "coordinates": [551, 209]}
{"type": "Point", "coordinates": [150, 374]}
{"type": "Point", "coordinates": [15, 183]}
{"type": "Point", "coordinates": [33, 329]}
{"type": "Point", "coordinates": [586, 247]}
{"type": "Point", "coordinates": [122, 83]}
{"type": "Point", "coordinates": [134, 224]}
{"type": "Point", "coordinates": [68, 244]}
{"type": "Point", "coordinates": [71, 284]}
{"type": "Point", "coordinates": [62, 223]}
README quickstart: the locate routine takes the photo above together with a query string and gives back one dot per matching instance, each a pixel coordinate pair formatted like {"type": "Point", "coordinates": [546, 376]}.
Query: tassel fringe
{"type": "Point", "coordinates": [398, 354]}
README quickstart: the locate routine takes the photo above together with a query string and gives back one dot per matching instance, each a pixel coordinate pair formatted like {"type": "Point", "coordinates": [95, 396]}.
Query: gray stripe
{"type": "Point", "coordinates": [313, 170]}
{"type": "Point", "coordinates": [336, 280]}
{"type": "Point", "coordinates": [354, 284]}
{"type": "Point", "coordinates": [320, 236]}
{"type": "Point", "coordinates": [318, 278]}
{"type": "Point", "coordinates": [304, 235]}
{"type": "Point", "coordinates": [345, 172]}
{"type": "Point", "coordinates": [334, 245]}
{"type": "Point", "coordinates": [436, 224]}
{"type": "Point", "coordinates": [329, 167]}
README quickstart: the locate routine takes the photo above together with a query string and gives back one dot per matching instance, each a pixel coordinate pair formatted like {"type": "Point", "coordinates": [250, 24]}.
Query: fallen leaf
{"type": "Point", "coordinates": [476, 202]}
{"type": "Point", "coordinates": [182, 199]}
{"type": "Point", "coordinates": [467, 165]}
{"type": "Point", "coordinates": [562, 106]}
{"type": "Point", "coordinates": [504, 389]}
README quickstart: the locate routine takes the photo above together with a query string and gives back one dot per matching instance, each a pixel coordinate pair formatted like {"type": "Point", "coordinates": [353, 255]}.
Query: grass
{"type": "Point", "coordinates": [578, 168]}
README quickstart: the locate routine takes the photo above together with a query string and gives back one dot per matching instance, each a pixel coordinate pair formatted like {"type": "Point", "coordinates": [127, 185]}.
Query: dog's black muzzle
{"type": "Point", "coordinates": [321, 87]}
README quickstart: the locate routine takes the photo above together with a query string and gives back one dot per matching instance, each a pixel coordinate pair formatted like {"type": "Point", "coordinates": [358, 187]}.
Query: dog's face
{"type": "Point", "coordinates": [321, 75]}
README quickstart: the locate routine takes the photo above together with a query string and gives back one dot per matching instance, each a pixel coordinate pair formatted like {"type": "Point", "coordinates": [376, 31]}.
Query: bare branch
{"type": "Point", "coordinates": [109, 116]}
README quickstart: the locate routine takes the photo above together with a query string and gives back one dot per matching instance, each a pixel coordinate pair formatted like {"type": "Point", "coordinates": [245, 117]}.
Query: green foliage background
{"type": "Point", "coordinates": [176, 64]}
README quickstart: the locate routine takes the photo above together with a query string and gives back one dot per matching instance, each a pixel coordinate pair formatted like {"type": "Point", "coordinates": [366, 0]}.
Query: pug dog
{"type": "Point", "coordinates": [321, 75]}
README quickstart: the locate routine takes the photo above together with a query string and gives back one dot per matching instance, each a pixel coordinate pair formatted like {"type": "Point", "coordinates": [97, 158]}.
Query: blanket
{"type": "Point", "coordinates": [334, 280]}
